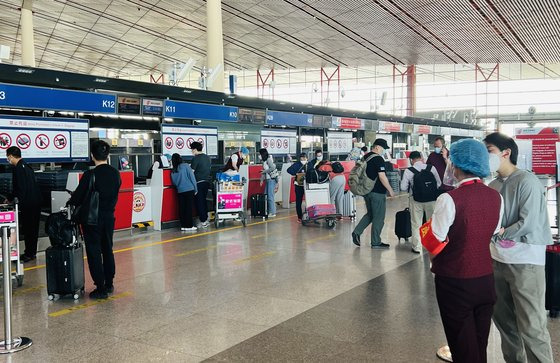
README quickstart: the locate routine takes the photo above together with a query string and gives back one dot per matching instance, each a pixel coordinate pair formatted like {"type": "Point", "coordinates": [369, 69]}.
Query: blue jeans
{"type": "Point", "coordinates": [269, 191]}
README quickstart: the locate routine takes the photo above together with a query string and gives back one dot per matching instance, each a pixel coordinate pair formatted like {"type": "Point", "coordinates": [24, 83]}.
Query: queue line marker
{"type": "Point", "coordinates": [89, 304]}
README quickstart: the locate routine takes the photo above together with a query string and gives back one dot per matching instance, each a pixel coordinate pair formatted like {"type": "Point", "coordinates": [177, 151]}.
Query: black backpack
{"type": "Point", "coordinates": [337, 167]}
{"type": "Point", "coordinates": [424, 188]}
{"type": "Point", "coordinates": [62, 232]}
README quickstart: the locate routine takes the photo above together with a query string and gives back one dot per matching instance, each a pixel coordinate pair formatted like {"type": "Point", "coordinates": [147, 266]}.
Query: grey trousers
{"type": "Point", "coordinates": [519, 313]}
{"type": "Point", "coordinates": [375, 205]}
{"type": "Point", "coordinates": [336, 188]}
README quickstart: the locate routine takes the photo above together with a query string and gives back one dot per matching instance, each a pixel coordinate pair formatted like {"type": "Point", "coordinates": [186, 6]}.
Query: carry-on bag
{"type": "Point", "coordinates": [259, 206]}
{"type": "Point", "coordinates": [403, 225]}
{"type": "Point", "coordinates": [65, 271]}
{"type": "Point", "coordinates": [349, 204]}
{"type": "Point", "coordinates": [552, 267]}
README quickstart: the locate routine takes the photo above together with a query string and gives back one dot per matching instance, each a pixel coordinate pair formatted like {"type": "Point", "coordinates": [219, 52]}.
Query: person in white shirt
{"type": "Point", "coordinates": [423, 196]}
{"type": "Point", "coordinates": [519, 254]}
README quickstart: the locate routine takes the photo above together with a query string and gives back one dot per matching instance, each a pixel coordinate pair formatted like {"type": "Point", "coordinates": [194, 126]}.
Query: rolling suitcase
{"type": "Point", "coordinates": [552, 299]}
{"type": "Point", "coordinates": [349, 204]}
{"type": "Point", "coordinates": [65, 271]}
{"type": "Point", "coordinates": [403, 225]}
{"type": "Point", "coordinates": [259, 206]}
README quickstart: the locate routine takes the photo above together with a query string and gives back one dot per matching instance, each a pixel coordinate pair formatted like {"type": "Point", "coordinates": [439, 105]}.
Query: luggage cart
{"type": "Point", "coordinates": [230, 204]}
{"type": "Point", "coordinates": [318, 194]}
{"type": "Point", "coordinates": [9, 218]}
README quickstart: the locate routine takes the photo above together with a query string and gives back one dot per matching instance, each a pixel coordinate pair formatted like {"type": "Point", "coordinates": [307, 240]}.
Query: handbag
{"type": "Point", "coordinates": [88, 211]}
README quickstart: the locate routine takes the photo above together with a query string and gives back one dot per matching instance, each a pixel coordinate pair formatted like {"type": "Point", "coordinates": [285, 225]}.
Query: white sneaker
{"type": "Point", "coordinates": [271, 215]}
{"type": "Point", "coordinates": [203, 225]}
{"type": "Point", "coordinates": [188, 229]}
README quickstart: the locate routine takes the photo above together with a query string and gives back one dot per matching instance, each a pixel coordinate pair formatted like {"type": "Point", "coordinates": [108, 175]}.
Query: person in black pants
{"type": "Point", "coordinates": [183, 178]}
{"type": "Point", "coordinates": [201, 166]}
{"type": "Point", "coordinates": [299, 167]}
{"type": "Point", "coordinates": [26, 190]}
{"type": "Point", "coordinates": [99, 238]}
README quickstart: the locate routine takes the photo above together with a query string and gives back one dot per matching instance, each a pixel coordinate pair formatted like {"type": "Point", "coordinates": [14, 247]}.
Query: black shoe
{"type": "Point", "coordinates": [414, 251]}
{"type": "Point", "coordinates": [25, 258]}
{"type": "Point", "coordinates": [110, 289]}
{"type": "Point", "coordinates": [380, 246]}
{"type": "Point", "coordinates": [356, 239]}
{"type": "Point", "coordinates": [98, 294]}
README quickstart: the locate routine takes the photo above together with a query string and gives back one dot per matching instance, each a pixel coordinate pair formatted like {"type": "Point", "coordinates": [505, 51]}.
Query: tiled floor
{"type": "Point", "coordinates": [272, 291]}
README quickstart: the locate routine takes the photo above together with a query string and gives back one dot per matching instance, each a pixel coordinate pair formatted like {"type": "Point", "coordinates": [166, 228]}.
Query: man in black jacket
{"type": "Point", "coordinates": [26, 190]}
{"type": "Point", "coordinates": [99, 238]}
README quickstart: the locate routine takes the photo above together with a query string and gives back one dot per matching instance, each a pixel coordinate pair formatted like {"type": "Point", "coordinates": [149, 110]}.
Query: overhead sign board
{"type": "Point", "coordinates": [41, 98]}
{"type": "Point", "coordinates": [128, 105]}
{"type": "Point", "coordinates": [422, 129]}
{"type": "Point", "coordinates": [251, 116]}
{"type": "Point", "coordinates": [339, 142]}
{"type": "Point", "coordinates": [288, 119]}
{"type": "Point", "coordinates": [348, 123]}
{"type": "Point", "coordinates": [46, 139]}
{"type": "Point", "coordinates": [152, 107]}
{"type": "Point", "coordinates": [199, 111]}
{"type": "Point", "coordinates": [390, 126]}
{"type": "Point", "coordinates": [178, 139]}
{"type": "Point", "coordinates": [279, 142]}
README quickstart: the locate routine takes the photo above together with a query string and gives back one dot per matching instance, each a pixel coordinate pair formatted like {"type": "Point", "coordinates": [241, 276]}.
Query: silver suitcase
{"type": "Point", "coordinates": [349, 204]}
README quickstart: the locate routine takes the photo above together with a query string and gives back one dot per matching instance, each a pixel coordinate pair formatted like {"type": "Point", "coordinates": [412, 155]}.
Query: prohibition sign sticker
{"type": "Point", "coordinates": [279, 143]}
{"type": "Point", "coordinates": [189, 142]}
{"type": "Point", "coordinates": [42, 141]}
{"type": "Point", "coordinates": [180, 143]}
{"type": "Point", "coordinates": [272, 143]}
{"type": "Point", "coordinates": [265, 143]}
{"type": "Point", "coordinates": [5, 141]}
{"type": "Point", "coordinates": [285, 144]}
{"type": "Point", "coordinates": [60, 141]}
{"type": "Point", "coordinates": [168, 143]}
{"type": "Point", "coordinates": [201, 140]}
{"type": "Point", "coordinates": [23, 141]}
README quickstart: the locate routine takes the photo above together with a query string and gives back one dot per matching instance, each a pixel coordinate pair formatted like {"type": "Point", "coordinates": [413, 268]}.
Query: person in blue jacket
{"type": "Point", "coordinates": [299, 167]}
{"type": "Point", "coordinates": [184, 180]}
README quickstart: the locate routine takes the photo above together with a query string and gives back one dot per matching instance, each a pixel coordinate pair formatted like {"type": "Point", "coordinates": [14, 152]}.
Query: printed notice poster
{"type": "Point", "coordinates": [544, 147]}
{"type": "Point", "coordinates": [178, 139]}
{"type": "Point", "coordinates": [339, 143]}
{"type": "Point", "coordinates": [279, 142]}
{"type": "Point", "coordinates": [46, 139]}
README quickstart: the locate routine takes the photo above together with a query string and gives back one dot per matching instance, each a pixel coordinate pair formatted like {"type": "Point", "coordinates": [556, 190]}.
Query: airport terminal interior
{"type": "Point", "coordinates": [220, 117]}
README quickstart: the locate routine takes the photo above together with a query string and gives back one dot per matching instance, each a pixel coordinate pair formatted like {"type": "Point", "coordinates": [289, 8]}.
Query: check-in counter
{"type": "Point", "coordinates": [165, 208]}
{"type": "Point", "coordinates": [123, 209]}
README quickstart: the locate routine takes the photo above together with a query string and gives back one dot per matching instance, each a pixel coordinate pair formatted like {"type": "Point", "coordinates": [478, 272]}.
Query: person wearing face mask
{"type": "Point", "coordinates": [318, 158]}
{"type": "Point", "coordinates": [201, 165]}
{"type": "Point", "coordinates": [299, 169]}
{"type": "Point", "coordinates": [269, 174]}
{"type": "Point", "coordinates": [519, 254]}
{"type": "Point", "coordinates": [376, 200]}
{"type": "Point", "coordinates": [235, 161]}
{"type": "Point", "coordinates": [465, 219]}
{"type": "Point", "coordinates": [439, 159]}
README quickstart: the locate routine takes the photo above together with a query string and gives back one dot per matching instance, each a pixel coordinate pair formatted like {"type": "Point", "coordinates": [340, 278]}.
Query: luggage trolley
{"type": "Point", "coordinates": [9, 219]}
{"type": "Point", "coordinates": [230, 201]}
{"type": "Point", "coordinates": [316, 194]}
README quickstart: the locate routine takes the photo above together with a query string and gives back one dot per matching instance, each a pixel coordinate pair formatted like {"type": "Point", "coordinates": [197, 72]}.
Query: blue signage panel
{"type": "Point", "coordinates": [199, 111]}
{"type": "Point", "coordinates": [288, 118]}
{"type": "Point", "coordinates": [56, 99]}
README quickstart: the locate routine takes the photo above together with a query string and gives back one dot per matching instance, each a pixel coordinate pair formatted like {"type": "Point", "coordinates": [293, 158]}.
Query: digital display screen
{"type": "Point", "coordinates": [128, 105]}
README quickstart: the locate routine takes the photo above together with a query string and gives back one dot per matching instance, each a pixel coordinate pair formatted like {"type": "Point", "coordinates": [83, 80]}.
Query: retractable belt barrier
{"type": "Point", "coordinates": [8, 221]}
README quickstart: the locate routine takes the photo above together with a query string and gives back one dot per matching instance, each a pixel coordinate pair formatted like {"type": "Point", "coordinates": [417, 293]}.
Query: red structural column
{"type": "Point", "coordinates": [261, 83]}
{"type": "Point", "coordinates": [410, 74]}
{"type": "Point", "coordinates": [328, 79]}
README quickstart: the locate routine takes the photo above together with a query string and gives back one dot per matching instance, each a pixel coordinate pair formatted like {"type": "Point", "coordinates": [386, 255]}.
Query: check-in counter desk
{"type": "Point", "coordinates": [123, 209]}
{"type": "Point", "coordinates": [165, 209]}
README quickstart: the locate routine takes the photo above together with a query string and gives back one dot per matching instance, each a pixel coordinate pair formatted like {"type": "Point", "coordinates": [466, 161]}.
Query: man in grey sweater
{"type": "Point", "coordinates": [519, 253]}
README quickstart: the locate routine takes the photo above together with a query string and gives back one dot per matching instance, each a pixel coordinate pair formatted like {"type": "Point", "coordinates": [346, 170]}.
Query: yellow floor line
{"type": "Point", "coordinates": [20, 291]}
{"type": "Point", "coordinates": [87, 305]}
{"type": "Point", "coordinates": [260, 235]}
{"type": "Point", "coordinates": [195, 251]}
{"type": "Point", "coordinates": [254, 257]}
{"type": "Point", "coordinates": [146, 245]}
{"type": "Point", "coordinates": [322, 238]}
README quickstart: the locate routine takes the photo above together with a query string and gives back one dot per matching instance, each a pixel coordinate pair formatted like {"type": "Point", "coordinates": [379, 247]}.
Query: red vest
{"type": "Point", "coordinates": [229, 164]}
{"type": "Point", "coordinates": [467, 255]}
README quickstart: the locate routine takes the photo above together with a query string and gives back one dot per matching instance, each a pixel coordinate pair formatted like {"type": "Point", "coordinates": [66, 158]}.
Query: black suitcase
{"type": "Point", "coordinates": [403, 226]}
{"type": "Point", "coordinates": [259, 207]}
{"type": "Point", "coordinates": [552, 302]}
{"type": "Point", "coordinates": [65, 271]}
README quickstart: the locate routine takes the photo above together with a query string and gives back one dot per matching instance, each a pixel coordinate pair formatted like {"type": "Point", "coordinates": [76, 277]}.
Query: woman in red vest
{"type": "Point", "coordinates": [466, 218]}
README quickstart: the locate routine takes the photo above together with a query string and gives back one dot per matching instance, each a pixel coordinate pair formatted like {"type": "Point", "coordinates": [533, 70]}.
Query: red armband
{"type": "Point", "coordinates": [429, 241]}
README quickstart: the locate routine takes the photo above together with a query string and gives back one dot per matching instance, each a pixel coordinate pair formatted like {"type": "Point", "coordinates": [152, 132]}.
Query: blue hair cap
{"type": "Point", "coordinates": [244, 150]}
{"type": "Point", "coordinates": [471, 156]}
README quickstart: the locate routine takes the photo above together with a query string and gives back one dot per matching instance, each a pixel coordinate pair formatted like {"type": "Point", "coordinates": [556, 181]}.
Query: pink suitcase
{"type": "Point", "coordinates": [320, 210]}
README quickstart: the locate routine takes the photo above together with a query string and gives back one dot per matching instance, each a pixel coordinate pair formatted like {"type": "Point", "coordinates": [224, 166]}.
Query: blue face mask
{"type": "Point", "coordinates": [437, 150]}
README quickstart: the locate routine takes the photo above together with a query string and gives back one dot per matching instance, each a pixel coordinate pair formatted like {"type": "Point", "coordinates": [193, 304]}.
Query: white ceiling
{"type": "Point", "coordinates": [136, 37]}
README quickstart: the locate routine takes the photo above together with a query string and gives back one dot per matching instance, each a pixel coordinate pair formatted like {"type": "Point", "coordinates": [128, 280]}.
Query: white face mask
{"type": "Point", "coordinates": [303, 162]}
{"type": "Point", "coordinates": [319, 157]}
{"type": "Point", "coordinates": [494, 160]}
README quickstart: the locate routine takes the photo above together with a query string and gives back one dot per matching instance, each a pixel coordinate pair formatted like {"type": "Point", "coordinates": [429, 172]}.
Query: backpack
{"type": "Point", "coordinates": [424, 187]}
{"type": "Point", "coordinates": [359, 182]}
{"type": "Point", "coordinates": [337, 167]}
{"type": "Point", "coordinates": [62, 232]}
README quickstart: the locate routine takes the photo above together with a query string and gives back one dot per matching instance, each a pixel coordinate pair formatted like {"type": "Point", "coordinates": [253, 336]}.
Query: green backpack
{"type": "Point", "coordinates": [359, 182]}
